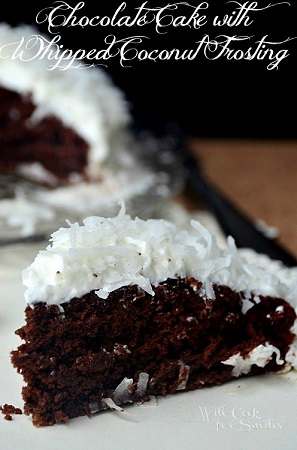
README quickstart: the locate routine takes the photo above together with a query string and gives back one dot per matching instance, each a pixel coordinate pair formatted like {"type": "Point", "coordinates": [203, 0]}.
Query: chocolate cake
{"type": "Point", "coordinates": [57, 126]}
{"type": "Point", "coordinates": [121, 309]}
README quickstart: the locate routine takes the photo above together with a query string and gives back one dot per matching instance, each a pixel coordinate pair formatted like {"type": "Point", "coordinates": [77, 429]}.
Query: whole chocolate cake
{"type": "Point", "coordinates": [120, 309]}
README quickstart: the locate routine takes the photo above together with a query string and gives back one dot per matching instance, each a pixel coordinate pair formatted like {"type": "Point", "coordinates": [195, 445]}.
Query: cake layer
{"type": "Point", "coordinates": [98, 353]}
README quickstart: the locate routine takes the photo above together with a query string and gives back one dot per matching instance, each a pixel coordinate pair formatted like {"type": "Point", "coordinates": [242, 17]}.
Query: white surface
{"type": "Point", "coordinates": [253, 413]}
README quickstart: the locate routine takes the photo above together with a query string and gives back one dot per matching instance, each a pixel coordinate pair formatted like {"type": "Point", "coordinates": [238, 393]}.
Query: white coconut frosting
{"type": "Point", "coordinates": [104, 254]}
{"type": "Point", "coordinates": [84, 99]}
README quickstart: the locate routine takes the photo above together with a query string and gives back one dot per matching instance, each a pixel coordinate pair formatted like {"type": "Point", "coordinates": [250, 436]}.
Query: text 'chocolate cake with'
{"type": "Point", "coordinates": [121, 309]}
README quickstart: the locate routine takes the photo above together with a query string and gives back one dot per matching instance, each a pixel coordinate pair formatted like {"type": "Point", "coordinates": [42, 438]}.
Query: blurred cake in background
{"type": "Point", "coordinates": [65, 140]}
{"type": "Point", "coordinates": [57, 126]}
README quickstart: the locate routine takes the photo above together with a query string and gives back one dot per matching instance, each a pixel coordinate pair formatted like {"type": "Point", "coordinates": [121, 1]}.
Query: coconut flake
{"type": "Point", "coordinates": [142, 384]}
{"type": "Point", "coordinates": [246, 305]}
{"type": "Point", "coordinates": [184, 372]}
{"type": "Point", "coordinates": [122, 393]}
{"type": "Point", "coordinates": [291, 356]}
{"type": "Point", "coordinates": [94, 407]}
{"type": "Point", "coordinates": [260, 355]}
{"type": "Point", "coordinates": [111, 404]}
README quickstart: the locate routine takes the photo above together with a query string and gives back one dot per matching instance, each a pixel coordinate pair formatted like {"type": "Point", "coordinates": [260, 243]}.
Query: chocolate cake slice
{"type": "Point", "coordinates": [120, 309]}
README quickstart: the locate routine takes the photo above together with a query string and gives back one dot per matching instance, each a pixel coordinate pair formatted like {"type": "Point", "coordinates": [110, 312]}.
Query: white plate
{"type": "Point", "coordinates": [252, 413]}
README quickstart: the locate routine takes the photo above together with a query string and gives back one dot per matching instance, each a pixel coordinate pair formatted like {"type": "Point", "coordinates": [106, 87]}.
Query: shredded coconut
{"type": "Point", "coordinates": [142, 383]}
{"type": "Point", "coordinates": [104, 254]}
{"type": "Point", "coordinates": [260, 356]}
{"type": "Point", "coordinates": [111, 404]}
{"type": "Point", "coordinates": [122, 393]}
{"type": "Point", "coordinates": [184, 372]}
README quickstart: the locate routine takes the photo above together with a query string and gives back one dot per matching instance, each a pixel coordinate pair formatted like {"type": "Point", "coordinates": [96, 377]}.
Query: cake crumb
{"type": "Point", "coordinates": [8, 410]}
{"type": "Point", "coordinates": [8, 417]}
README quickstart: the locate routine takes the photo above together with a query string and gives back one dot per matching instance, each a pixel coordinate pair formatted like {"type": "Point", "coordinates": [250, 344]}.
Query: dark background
{"type": "Point", "coordinates": [220, 98]}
